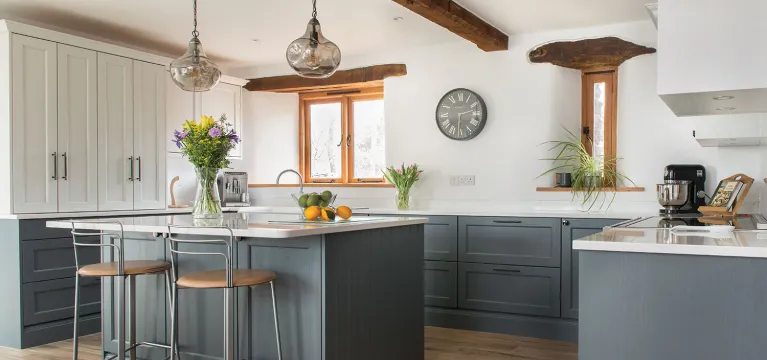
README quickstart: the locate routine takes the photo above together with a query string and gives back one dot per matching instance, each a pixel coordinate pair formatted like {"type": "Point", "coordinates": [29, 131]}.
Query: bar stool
{"type": "Point", "coordinates": [228, 279]}
{"type": "Point", "coordinates": [121, 270]}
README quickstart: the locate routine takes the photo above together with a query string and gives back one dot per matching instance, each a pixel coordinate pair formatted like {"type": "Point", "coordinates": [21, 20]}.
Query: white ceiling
{"type": "Point", "coordinates": [228, 27]}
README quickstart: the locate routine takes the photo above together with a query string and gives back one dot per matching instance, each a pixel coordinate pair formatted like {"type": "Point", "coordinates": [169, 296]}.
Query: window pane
{"type": "Point", "coordinates": [325, 137]}
{"type": "Point", "coordinates": [369, 153]}
{"type": "Point", "coordinates": [598, 150]}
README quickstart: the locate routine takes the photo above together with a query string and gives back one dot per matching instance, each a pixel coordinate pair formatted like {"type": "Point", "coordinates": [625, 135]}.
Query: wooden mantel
{"type": "Point", "coordinates": [360, 77]}
{"type": "Point", "coordinates": [459, 21]}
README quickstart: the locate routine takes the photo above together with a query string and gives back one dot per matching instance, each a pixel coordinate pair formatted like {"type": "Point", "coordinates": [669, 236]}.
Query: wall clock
{"type": "Point", "coordinates": [461, 114]}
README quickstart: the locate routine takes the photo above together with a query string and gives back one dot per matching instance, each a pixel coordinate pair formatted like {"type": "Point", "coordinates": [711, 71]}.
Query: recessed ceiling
{"type": "Point", "coordinates": [228, 27]}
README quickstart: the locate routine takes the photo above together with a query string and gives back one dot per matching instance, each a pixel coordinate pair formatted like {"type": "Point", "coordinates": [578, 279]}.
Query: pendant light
{"type": "Point", "coordinates": [193, 71]}
{"type": "Point", "coordinates": [312, 55]}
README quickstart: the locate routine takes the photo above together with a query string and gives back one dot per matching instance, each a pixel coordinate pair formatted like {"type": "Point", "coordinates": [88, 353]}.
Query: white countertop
{"type": "Point", "coordinates": [750, 244]}
{"type": "Point", "coordinates": [243, 225]}
{"type": "Point", "coordinates": [94, 214]}
{"type": "Point", "coordinates": [508, 212]}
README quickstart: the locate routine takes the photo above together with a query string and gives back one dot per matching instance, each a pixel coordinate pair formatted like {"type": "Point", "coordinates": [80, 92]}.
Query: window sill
{"type": "Point", "coordinates": [564, 189]}
{"type": "Point", "coordinates": [327, 185]}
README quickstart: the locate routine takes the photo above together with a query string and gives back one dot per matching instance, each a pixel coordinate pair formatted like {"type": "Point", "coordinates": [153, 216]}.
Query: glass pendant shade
{"type": "Point", "coordinates": [193, 71]}
{"type": "Point", "coordinates": [312, 55]}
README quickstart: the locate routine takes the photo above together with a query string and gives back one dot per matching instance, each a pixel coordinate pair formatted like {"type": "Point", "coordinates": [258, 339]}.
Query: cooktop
{"type": "Point", "coordinates": [741, 222]}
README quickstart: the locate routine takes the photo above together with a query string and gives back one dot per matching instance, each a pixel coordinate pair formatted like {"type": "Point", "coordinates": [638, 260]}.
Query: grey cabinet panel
{"type": "Point", "coordinates": [54, 258]}
{"type": "Point", "coordinates": [509, 289]}
{"type": "Point", "coordinates": [52, 300]}
{"type": "Point", "coordinates": [573, 229]}
{"type": "Point", "coordinates": [441, 238]}
{"type": "Point", "coordinates": [36, 230]}
{"type": "Point", "coordinates": [512, 241]}
{"type": "Point", "coordinates": [440, 280]}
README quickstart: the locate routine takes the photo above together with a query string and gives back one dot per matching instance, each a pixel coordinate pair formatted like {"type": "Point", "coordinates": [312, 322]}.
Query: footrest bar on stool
{"type": "Point", "coordinates": [145, 343]}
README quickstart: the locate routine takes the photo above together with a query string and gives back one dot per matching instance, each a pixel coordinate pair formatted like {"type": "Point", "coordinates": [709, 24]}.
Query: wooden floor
{"type": "Point", "coordinates": [441, 344]}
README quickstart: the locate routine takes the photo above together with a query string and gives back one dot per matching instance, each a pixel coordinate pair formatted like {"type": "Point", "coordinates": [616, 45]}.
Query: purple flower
{"type": "Point", "coordinates": [178, 136]}
{"type": "Point", "coordinates": [214, 132]}
{"type": "Point", "coordinates": [234, 137]}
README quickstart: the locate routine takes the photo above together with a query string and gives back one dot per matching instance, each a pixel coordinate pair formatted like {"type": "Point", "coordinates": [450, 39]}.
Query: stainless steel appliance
{"type": "Point", "coordinates": [233, 189]}
{"type": "Point", "coordinates": [683, 190]}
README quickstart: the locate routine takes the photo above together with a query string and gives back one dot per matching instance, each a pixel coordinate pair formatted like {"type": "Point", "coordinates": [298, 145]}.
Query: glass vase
{"type": "Point", "coordinates": [207, 203]}
{"type": "Point", "coordinates": [403, 199]}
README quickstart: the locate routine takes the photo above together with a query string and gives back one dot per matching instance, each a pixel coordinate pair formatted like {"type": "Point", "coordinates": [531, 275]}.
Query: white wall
{"type": "Point", "coordinates": [526, 103]}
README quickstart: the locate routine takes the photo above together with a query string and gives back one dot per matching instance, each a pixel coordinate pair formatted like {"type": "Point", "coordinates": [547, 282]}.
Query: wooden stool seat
{"type": "Point", "coordinates": [131, 267]}
{"type": "Point", "coordinates": [215, 279]}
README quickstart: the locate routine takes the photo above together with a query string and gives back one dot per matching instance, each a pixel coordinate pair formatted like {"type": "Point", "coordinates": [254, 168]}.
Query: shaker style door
{"type": "Point", "coordinates": [117, 168]}
{"type": "Point", "coordinates": [225, 99]}
{"type": "Point", "coordinates": [34, 125]}
{"type": "Point", "coordinates": [149, 135]}
{"type": "Point", "coordinates": [77, 129]}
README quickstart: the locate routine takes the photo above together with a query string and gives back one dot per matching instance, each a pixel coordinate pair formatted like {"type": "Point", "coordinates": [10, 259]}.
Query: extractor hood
{"type": "Point", "coordinates": [712, 59]}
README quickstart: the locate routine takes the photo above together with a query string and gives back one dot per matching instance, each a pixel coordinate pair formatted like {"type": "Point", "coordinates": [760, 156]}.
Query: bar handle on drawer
{"type": "Point", "coordinates": [508, 270]}
{"type": "Point", "coordinates": [507, 221]}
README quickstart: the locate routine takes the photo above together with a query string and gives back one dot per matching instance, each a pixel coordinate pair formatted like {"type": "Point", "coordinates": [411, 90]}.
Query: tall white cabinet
{"type": "Point", "coordinates": [85, 125]}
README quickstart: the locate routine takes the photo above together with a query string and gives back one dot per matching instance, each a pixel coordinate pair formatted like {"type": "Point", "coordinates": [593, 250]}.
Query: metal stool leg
{"type": "Point", "coordinates": [229, 338]}
{"type": "Point", "coordinates": [173, 354]}
{"type": "Point", "coordinates": [276, 321]}
{"type": "Point", "coordinates": [174, 323]}
{"type": "Point", "coordinates": [75, 339]}
{"type": "Point", "coordinates": [120, 326]}
{"type": "Point", "coordinates": [132, 319]}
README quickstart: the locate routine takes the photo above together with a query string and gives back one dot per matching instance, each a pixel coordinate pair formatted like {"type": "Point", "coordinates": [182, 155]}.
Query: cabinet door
{"type": "Point", "coordinates": [55, 258]}
{"type": "Point", "coordinates": [225, 99]}
{"type": "Point", "coordinates": [34, 125]}
{"type": "Point", "coordinates": [440, 283]}
{"type": "Point", "coordinates": [115, 112]}
{"type": "Point", "coordinates": [181, 106]}
{"type": "Point", "coordinates": [78, 129]}
{"type": "Point", "coordinates": [149, 135]}
{"type": "Point", "coordinates": [573, 229]}
{"type": "Point", "coordinates": [512, 241]}
{"type": "Point", "coordinates": [52, 300]}
{"type": "Point", "coordinates": [441, 238]}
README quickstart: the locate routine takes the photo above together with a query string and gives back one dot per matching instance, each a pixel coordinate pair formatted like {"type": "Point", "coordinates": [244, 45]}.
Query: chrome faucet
{"type": "Point", "coordinates": [300, 179]}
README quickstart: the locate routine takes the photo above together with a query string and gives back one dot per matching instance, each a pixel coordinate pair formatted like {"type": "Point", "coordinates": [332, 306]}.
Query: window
{"type": "Point", "coordinates": [342, 136]}
{"type": "Point", "coordinates": [600, 99]}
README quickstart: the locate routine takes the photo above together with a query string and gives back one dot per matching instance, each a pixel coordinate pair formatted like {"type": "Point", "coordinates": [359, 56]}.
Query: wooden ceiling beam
{"type": "Point", "coordinates": [459, 21]}
{"type": "Point", "coordinates": [360, 77]}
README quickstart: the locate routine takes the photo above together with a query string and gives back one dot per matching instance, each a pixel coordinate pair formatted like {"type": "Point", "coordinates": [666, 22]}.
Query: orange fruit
{"type": "Point", "coordinates": [312, 213]}
{"type": "Point", "coordinates": [344, 212]}
{"type": "Point", "coordinates": [328, 214]}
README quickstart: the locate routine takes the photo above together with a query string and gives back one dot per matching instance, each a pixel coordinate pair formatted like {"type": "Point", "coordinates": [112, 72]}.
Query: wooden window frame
{"type": "Point", "coordinates": [608, 75]}
{"type": "Point", "coordinates": [346, 97]}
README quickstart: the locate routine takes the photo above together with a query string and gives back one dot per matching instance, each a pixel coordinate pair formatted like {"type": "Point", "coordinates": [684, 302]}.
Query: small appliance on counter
{"type": "Point", "coordinates": [683, 190]}
{"type": "Point", "coordinates": [233, 189]}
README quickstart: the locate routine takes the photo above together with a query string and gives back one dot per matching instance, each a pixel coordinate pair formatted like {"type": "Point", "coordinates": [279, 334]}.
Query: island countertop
{"type": "Point", "coordinates": [747, 244]}
{"type": "Point", "coordinates": [246, 225]}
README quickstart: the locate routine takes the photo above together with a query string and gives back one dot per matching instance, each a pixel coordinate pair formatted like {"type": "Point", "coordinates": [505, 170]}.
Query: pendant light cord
{"type": "Point", "coordinates": [195, 33]}
{"type": "Point", "coordinates": [314, 9]}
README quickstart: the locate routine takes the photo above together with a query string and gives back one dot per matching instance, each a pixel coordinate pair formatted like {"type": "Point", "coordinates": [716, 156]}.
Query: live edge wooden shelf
{"type": "Point", "coordinates": [565, 189]}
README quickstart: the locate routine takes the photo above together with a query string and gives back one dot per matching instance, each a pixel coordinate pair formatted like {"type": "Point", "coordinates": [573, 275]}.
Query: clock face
{"type": "Point", "coordinates": [461, 114]}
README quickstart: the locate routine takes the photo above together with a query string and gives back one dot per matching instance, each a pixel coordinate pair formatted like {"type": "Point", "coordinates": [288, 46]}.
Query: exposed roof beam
{"type": "Point", "coordinates": [362, 77]}
{"type": "Point", "coordinates": [459, 21]}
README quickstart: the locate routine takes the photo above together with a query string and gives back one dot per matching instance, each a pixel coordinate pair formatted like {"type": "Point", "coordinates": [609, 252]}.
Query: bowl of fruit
{"type": "Point", "coordinates": [305, 200]}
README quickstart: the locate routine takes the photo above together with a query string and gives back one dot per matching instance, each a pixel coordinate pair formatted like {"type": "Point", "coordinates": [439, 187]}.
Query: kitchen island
{"type": "Point", "coordinates": [344, 291]}
{"type": "Point", "coordinates": [658, 294]}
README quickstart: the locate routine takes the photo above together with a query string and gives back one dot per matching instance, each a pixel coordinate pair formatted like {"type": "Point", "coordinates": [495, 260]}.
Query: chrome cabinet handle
{"type": "Point", "coordinates": [66, 166]}
{"type": "Point", "coordinates": [130, 159]}
{"type": "Point", "coordinates": [55, 167]}
{"type": "Point", "coordinates": [507, 221]}
{"type": "Point", "coordinates": [508, 270]}
{"type": "Point", "coordinates": [139, 168]}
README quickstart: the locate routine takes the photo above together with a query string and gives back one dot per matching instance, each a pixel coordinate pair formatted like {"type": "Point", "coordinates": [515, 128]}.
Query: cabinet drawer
{"type": "Point", "coordinates": [441, 238]}
{"type": "Point", "coordinates": [512, 241]}
{"type": "Point", "coordinates": [54, 258]}
{"type": "Point", "coordinates": [36, 230]}
{"type": "Point", "coordinates": [509, 289]}
{"type": "Point", "coordinates": [53, 300]}
{"type": "Point", "coordinates": [440, 283]}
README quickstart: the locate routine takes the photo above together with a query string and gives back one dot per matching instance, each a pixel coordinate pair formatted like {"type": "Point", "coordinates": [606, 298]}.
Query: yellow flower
{"type": "Point", "coordinates": [206, 121]}
{"type": "Point", "coordinates": [189, 125]}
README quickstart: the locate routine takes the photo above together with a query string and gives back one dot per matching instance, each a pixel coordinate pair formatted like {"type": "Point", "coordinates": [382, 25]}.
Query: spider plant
{"type": "Point", "coordinates": [592, 177]}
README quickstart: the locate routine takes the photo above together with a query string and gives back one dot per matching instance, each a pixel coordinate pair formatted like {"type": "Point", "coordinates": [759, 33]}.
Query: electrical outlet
{"type": "Point", "coordinates": [462, 180]}
{"type": "Point", "coordinates": [454, 181]}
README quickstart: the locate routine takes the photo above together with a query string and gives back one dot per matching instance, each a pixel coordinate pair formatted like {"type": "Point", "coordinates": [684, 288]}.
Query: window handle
{"type": "Point", "coordinates": [348, 140]}
{"type": "Point", "coordinates": [340, 142]}
{"type": "Point", "coordinates": [369, 181]}
{"type": "Point", "coordinates": [324, 182]}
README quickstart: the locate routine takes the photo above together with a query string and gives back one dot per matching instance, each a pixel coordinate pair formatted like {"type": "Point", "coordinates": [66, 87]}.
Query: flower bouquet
{"type": "Point", "coordinates": [403, 179]}
{"type": "Point", "coordinates": [206, 145]}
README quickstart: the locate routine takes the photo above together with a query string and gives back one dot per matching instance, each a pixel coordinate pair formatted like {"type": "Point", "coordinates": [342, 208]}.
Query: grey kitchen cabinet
{"type": "Point", "coordinates": [440, 281]}
{"type": "Point", "coordinates": [440, 237]}
{"type": "Point", "coordinates": [573, 229]}
{"type": "Point", "coordinates": [47, 301]}
{"type": "Point", "coordinates": [51, 259]}
{"type": "Point", "coordinates": [36, 230]}
{"type": "Point", "coordinates": [509, 289]}
{"type": "Point", "coordinates": [511, 241]}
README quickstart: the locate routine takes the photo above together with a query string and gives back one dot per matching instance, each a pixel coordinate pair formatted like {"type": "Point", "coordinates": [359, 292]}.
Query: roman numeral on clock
{"type": "Point", "coordinates": [474, 122]}
{"type": "Point", "coordinates": [446, 123]}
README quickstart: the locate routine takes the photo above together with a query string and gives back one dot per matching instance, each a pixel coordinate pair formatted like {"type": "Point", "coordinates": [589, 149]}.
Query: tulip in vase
{"type": "Point", "coordinates": [403, 179]}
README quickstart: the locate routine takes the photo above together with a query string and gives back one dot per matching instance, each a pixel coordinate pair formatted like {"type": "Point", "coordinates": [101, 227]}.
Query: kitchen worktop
{"type": "Point", "coordinates": [265, 225]}
{"type": "Point", "coordinates": [463, 211]}
{"type": "Point", "coordinates": [96, 214]}
{"type": "Point", "coordinates": [748, 244]}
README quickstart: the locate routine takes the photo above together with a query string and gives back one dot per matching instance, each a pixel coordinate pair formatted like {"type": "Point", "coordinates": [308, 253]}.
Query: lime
{"type": "Point", "coordinates": [302, 200]}
{"type": "Point", "coordinates": [313, 200]}
{"type": "Point", "coordinates": [326, 195]}
{"type": "Point", "coordinates": [323, 203]}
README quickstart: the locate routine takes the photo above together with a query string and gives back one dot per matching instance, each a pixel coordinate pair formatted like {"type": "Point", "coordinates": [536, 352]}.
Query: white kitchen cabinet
{"type": "Point", "coordinates": [225, 98]}
{"type": "Point", "coordinates": [77, 129]}
{"type": "Point", "coordinates": [731, 130]}
{"type": "Point", "coordinates": [34, 125]}
{"type": "Point", "coordinates": [115, 118]}
{"type": "Point", "coordinates": [149, 135]}
{"type": "Point", "coordinates": [181, 106]}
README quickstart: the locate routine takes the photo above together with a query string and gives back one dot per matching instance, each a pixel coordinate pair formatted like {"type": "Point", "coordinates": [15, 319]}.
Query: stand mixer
{"type": "Point", "coordinates": [683, 190]}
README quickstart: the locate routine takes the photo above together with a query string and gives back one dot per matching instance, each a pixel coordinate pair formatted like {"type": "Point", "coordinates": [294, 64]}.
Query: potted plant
{"type": "Point", "coordinates": [592, 176]}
